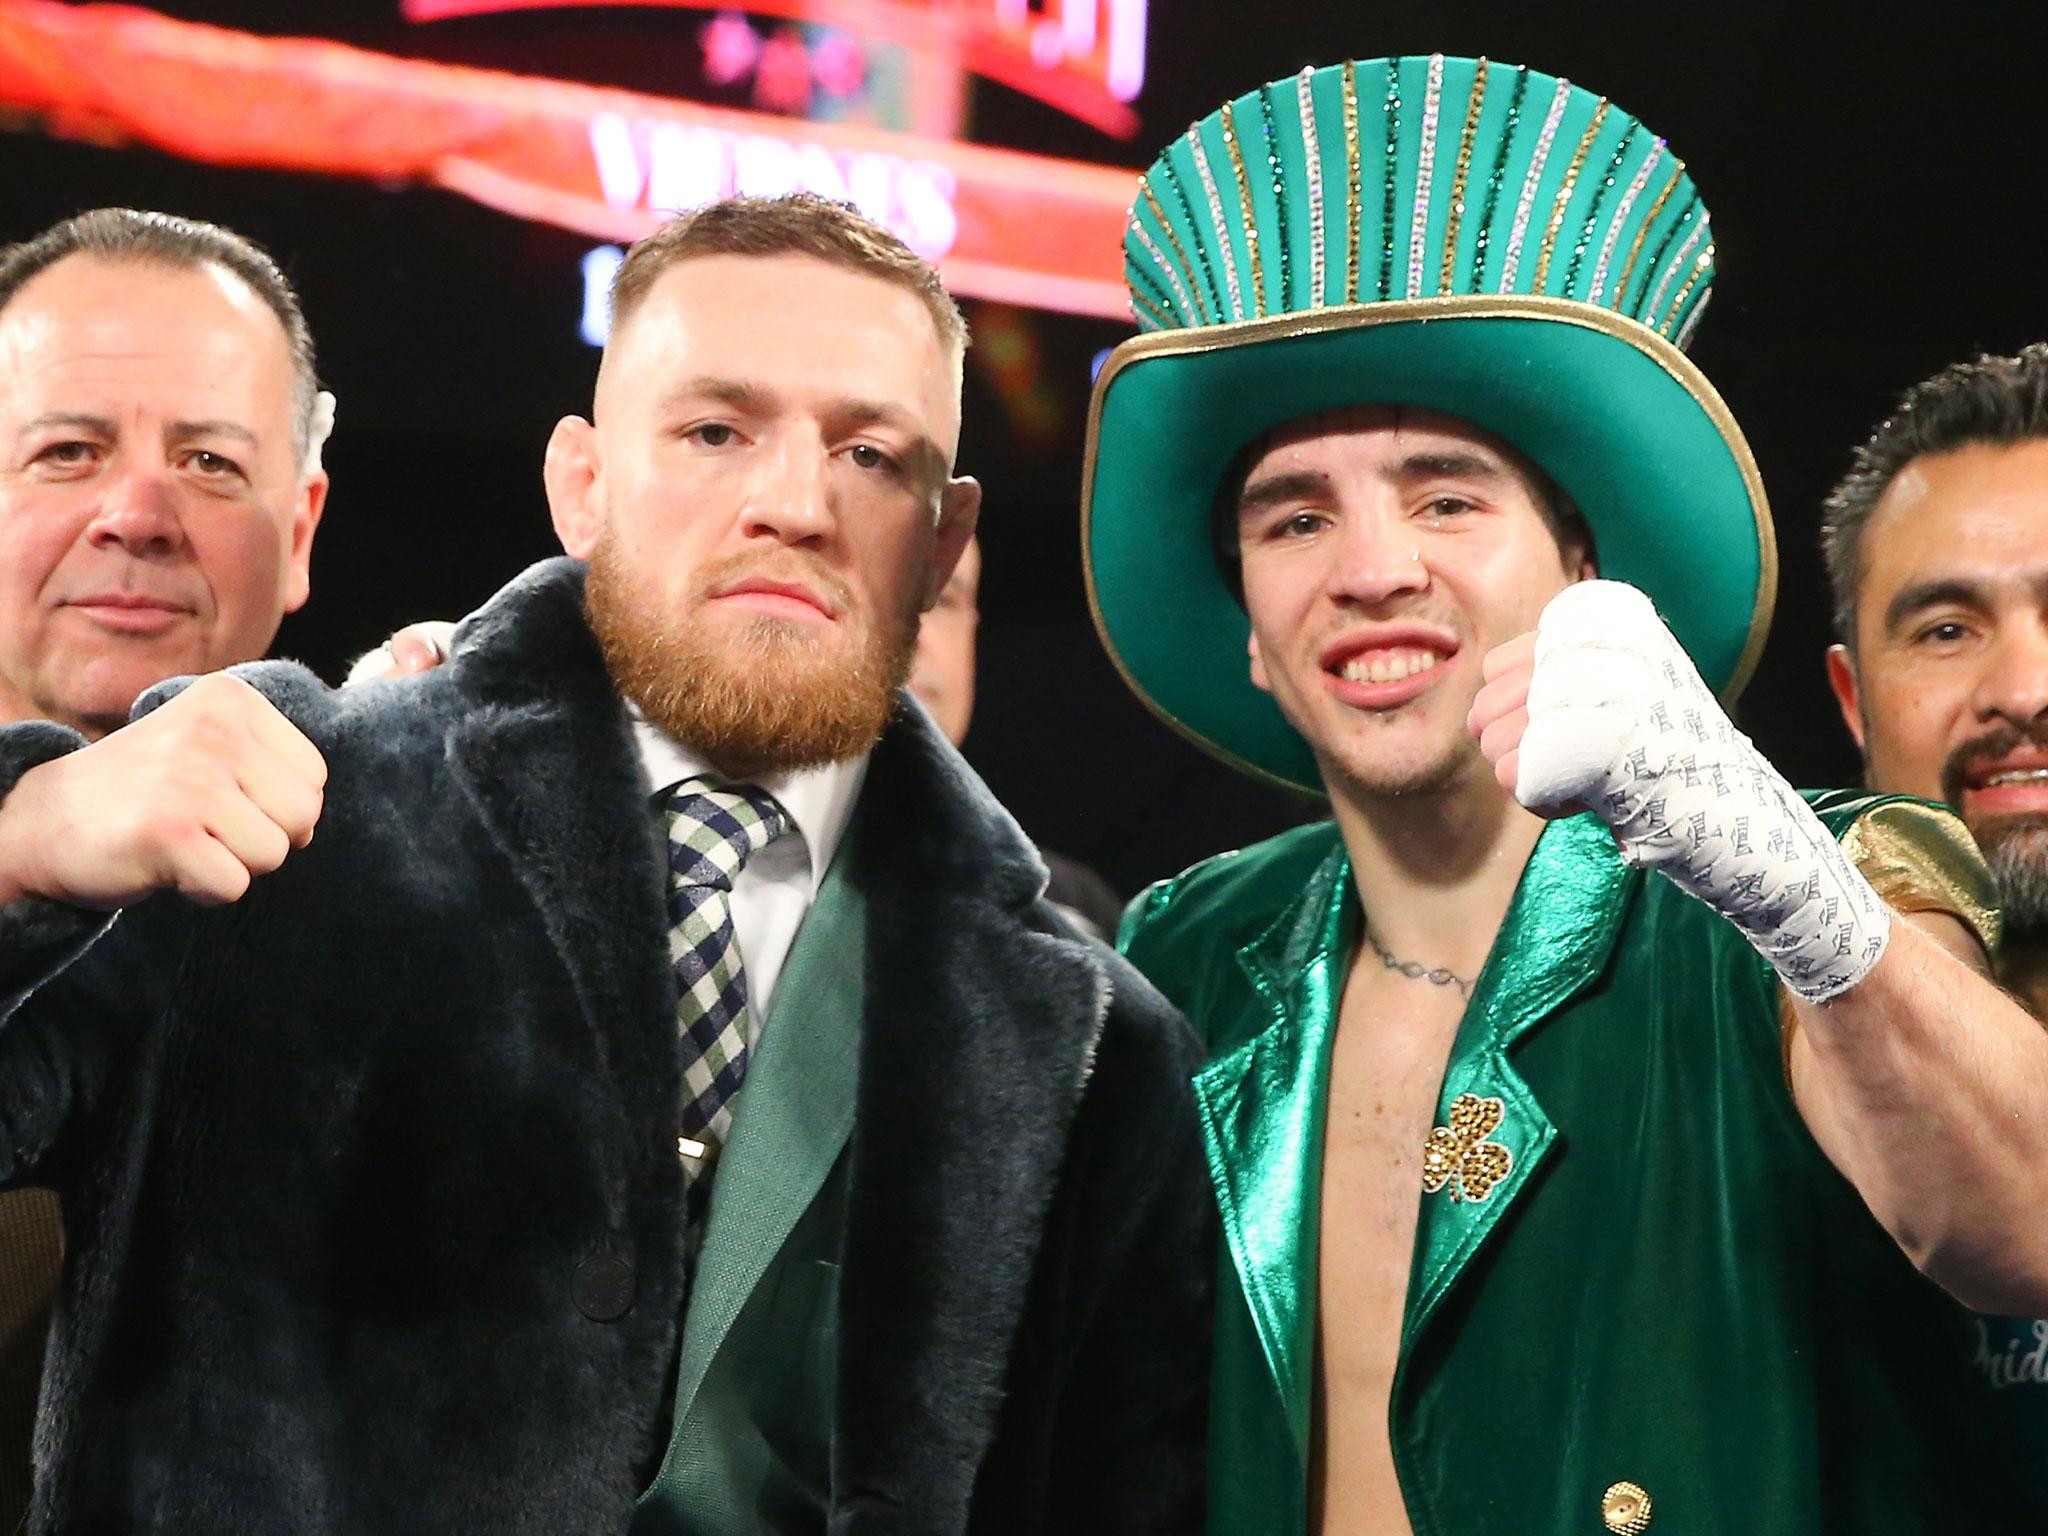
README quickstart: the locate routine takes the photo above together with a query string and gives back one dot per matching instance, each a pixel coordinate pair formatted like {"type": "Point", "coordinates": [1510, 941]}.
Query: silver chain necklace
{"type": "Point", "coordinates": [1436, 976]}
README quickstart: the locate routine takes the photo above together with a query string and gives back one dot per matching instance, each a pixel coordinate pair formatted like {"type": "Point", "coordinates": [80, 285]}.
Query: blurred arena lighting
{"type": "Point", "coordinates": [1017, 228]}
{"type": "Point", "coordinates": [1083, 57]}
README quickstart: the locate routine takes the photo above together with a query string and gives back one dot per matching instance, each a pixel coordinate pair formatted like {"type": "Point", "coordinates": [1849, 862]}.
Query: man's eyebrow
{"type": "Point", "coordinates": [179, 431]}
{"type": "Point", "coordinates": [877, 413]}
{"type": "Point", "coordinates": [1449, 465]}
{"type": "Point", "coordinates": [1270, 491]}
{"type": "Point", "coordinates": [106, 426]}
{"type": "Point", "coordinates": [737, 393]}
{"type": "Point", "coordinates": [1916, 595]}
{"type": "Point", "coordinates": [81, 420]}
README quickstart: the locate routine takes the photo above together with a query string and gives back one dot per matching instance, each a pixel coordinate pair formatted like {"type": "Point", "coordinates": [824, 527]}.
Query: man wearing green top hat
{"type": "Point", "coordinates": [1573, 1091]}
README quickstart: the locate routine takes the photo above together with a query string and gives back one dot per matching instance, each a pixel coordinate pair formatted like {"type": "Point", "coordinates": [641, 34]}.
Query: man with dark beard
{"type": "Point", "coordinates": [1937, 553]}
{"type": "Point", "coordinates": [658, 1097]}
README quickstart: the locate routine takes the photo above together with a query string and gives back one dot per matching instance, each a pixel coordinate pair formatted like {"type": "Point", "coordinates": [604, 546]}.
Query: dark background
{"type": "Point", "coordinates": [1874, 178]}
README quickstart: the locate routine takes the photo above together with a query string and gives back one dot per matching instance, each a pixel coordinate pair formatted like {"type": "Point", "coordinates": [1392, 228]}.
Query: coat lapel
{"type": "Point", "coordinates": [1262, 1108]}
{"type": "Point", "coordinates": [979, 1031]}
{"type": "Point", "coordinates": [544, 754]}
{"type": "Point", "coordinates": [796, 1114]}
{"type": "Point", "coordinates": [1492, 1133]}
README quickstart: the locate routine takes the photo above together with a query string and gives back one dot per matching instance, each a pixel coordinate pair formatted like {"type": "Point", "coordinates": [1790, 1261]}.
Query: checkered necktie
{"type": "Point", "coordinates": [712, 832]}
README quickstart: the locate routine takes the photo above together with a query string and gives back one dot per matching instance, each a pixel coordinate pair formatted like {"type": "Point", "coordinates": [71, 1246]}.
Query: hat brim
{"type": "Point", "coordinates": [1620, 418]}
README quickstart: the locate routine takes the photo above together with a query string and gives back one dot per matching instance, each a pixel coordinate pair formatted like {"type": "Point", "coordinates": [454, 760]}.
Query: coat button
{"type": "Point", "coordinates": [1625, 1508]}
{"type": "Point", "coordinates": [603, 1287]}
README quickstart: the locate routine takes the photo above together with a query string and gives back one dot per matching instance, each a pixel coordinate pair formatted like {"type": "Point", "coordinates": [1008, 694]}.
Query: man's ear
{"type": "Point", "coordinates": [571, 471]}
{"type": "Point", "coordinates": [1842, 679]}
{"type": "Point", "coordinates": [298, 579]}
{"type": "Point", "coordinates": [1259, 678]}
{"type": "Point", "coordinates": [959, 512]}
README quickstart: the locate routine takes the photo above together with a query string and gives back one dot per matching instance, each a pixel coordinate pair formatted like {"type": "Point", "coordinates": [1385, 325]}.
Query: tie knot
{"type": "Point", "coordinates": [714, 829]}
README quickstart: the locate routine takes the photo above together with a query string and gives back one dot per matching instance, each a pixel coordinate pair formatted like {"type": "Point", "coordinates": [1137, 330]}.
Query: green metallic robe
{"type": "Point", "coordinates": [1668, 1284]}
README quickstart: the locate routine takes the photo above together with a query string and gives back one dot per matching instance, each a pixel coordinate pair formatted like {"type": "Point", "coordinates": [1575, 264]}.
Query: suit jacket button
{"type": "Point", "coordinates": [1625, 1509]}
{"type": "Point", "coordinates": [603, 1287]}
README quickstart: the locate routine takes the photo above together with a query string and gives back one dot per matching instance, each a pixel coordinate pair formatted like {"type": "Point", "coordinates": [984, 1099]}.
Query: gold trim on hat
{"type": "Point", "coordinates": [1485, 306]}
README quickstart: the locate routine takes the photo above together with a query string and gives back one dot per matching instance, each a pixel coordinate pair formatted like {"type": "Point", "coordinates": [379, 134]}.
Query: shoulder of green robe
{"type": "Point", "coordinates": [1174, 929]}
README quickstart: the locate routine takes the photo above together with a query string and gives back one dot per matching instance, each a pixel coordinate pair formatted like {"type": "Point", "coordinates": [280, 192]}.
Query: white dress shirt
{"type": "Point", "coordinates": [775, 887]}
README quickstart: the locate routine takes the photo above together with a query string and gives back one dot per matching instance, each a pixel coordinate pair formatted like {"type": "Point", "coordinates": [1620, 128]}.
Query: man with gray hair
{"type": "Point", "coordinates": [1936, 544]}
{"type": "Point", "coordinates": [160, 483]}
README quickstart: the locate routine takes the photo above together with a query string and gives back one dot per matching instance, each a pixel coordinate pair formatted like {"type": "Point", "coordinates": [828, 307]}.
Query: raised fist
{"type": "Point", "coordinates": [1601, 709]}
{"type": "Point", "coordinates": [199, 796]}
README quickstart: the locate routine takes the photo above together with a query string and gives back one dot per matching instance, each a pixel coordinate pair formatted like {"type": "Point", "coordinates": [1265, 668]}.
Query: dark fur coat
{"type": "Point", "coordinates": [334, 1157]}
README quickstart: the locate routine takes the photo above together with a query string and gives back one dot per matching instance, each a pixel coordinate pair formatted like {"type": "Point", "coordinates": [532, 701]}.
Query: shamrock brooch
{"type": "Point", "coordinates": [1460, 1155]}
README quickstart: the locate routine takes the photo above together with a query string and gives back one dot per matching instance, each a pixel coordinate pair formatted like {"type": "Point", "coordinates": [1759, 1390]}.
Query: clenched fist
{"type": "Point", "coordinates": [1602, 708]}
{"type": "Point", "coordinates": [200, 796]}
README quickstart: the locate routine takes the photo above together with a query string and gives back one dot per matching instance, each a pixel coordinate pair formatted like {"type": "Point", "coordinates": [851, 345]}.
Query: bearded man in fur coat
{"type": "Point", "coordinates": [626, 1079]}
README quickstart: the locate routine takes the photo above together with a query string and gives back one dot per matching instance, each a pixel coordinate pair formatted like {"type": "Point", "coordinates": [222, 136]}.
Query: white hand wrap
{"type": "Point", "coordinates": [1621, 723]}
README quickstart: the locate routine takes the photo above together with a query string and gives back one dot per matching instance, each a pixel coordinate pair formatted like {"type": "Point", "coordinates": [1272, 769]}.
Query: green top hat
{"type": "Point", "coordinates": [1473, 238]}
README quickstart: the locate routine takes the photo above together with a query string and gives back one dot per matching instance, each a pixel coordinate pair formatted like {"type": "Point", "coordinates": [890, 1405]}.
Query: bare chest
{"type": "Point", "coordinates": [1393, 1039]}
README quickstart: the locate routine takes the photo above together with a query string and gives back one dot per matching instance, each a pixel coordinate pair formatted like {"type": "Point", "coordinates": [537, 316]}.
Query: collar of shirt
{"type": "Point", "coordinates": [819, 800]}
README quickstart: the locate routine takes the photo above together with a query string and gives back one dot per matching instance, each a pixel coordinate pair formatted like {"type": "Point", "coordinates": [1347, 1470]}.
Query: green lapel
{"type": "Point", "coordinates": [1555, 940]}
{"type": "Point", "coordinates": [1262, 1110]}
{"type": "Point", "coordinates": [795, 1117]}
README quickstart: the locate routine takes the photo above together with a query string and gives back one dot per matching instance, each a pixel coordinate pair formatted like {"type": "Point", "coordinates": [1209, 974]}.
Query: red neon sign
{"type": "Point", "coordinates": [1020, 228]}
{"type": "Point", "coordinates": [1085, 57]}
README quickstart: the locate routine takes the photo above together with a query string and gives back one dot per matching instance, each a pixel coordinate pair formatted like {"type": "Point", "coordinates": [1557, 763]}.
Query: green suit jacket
{"type": "Point", "coordinates": [756, 1380]}
{"type": "Point", "coordinates": [1640, 1268]}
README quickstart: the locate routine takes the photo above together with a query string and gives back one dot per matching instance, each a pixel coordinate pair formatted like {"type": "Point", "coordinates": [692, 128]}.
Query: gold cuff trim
{"type": "Point", "coordinates": [1920, 858]}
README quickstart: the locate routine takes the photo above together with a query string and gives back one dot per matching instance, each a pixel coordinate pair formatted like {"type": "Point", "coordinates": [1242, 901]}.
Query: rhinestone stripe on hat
{"type": "Point", "coordinates": [1526, 203]}
{"type": "Point", "coordinates": [1150, 296]}
{"type": "Point", "coordinates": [1484, 240]}
{"type": "Point", "coordinates": [1351, 177]}
{"type": "Point", "coordinates": [1566, 188]}
{"type": "Point", "coordinates": [1146, 315]}
{"type": "Point", "coordinates": [1425, 173]}
{"type": "Point", "coordinates": [1143, 309]}
{"type": "Point", "coordinates": [1393, 111]}
{"type": "Point", "coordinates": [1187, 214]}
{"type": "Point", "coordinates": [1244, 203]}
{"type": "Point", "coordinates": [1319, 293]}
{"type": "Point", "coordinates": [1702, 271]}
{"type": "Point", "coordinates": [1645, 310]}
{"type": "Point", "coordinates": [1683, 339]}
{"type": "Point", "coordinates": [1216, 219]}
{"type": "Point", "coordinates": [1447, 273]}
{"type": "Point", "coordinates": [1199, 310]}
{"type": "Point", "coordinates": [1607, 184]}
{"type": "Point", "coordinates": [1701, 266]}
{"type": "Point", "coordinates": [1620, 219]}
{"type": "Point", "coordinates": [1279, 185]}
{"type": "Point", "coordinates": [1643, 232]}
